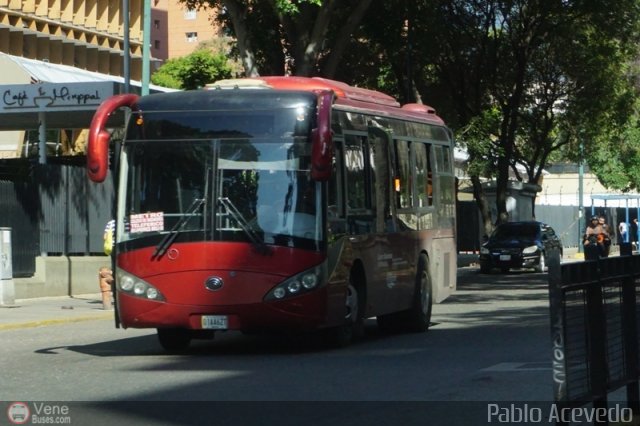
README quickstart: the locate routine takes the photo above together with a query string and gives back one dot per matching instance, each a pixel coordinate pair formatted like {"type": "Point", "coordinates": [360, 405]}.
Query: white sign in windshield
{"type": "Point", "coordinates": [146, 222]}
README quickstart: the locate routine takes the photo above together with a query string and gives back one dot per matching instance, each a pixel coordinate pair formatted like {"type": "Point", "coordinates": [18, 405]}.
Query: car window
{"type": "Point", "coordinates": [516, 230]}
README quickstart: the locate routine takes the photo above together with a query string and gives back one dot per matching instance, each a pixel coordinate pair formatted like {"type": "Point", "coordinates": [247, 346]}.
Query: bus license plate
{"type": "Point", "coordinates": [505, 257]}
{"type": "Point", "coordinates": [216, 322]}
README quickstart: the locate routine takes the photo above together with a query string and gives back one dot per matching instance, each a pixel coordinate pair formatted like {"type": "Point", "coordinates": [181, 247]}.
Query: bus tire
{"type": "Point", "coordinates": [353, 327]}
{"type": "Point", "coordinates": [174, 339]}
{"type": "Point", "coordinates": [419, 315]}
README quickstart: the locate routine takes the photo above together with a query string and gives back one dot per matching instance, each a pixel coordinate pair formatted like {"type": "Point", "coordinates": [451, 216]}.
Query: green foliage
{"type": "Point", "coordinates": [481, 141]}
{"type": "Point", "coordinates": [615, 155]}
{"type": "Point", "coordinates": [193, 71]}
{"type": "Point", "coordinates": [290, 7]}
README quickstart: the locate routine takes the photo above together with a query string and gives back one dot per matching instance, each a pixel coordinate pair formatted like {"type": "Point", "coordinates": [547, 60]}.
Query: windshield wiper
{"type": "Point", "coordinates": [244, 225]}
{"type": "Point", "coordinates": [168, 239]}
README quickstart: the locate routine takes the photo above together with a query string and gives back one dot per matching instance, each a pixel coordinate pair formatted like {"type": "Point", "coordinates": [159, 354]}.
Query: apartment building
{"type": "Point", "coordinates": [177, 30]}
{"type": "Point", "coordinates": [80, 44]}
{"type": "Point", "coordinates": [86, 34]}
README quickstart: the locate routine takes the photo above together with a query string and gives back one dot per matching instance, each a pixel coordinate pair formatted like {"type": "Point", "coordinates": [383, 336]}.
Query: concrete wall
{"type": "Point", "coordinates": [62, 276]}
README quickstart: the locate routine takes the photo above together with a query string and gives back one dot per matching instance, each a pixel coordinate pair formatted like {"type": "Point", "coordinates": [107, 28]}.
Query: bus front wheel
{"type": "Point", "coordinates": [353, 326]}
{"type": "Point", "coordinates": [174, 339]}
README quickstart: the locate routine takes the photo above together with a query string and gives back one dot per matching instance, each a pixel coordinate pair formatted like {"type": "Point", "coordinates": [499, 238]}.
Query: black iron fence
{"type": "Point", "coordinates": [52, 209]}
{"type": "Point", "coordinates": [595, 318]}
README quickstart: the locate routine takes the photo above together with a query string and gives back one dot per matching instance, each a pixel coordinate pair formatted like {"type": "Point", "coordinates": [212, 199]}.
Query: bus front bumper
{"type": "Point", "coordinates": [304, 312]}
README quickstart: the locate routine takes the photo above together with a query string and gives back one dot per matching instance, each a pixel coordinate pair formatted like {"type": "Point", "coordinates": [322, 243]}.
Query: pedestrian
{"type": "Point", "coordinates": [108, 237]}
{"type": "Point", "coordinates": [592, 250]}
{"type": "Point", "coordinates": [105, 274]}
{"type": "Point", "coordinates": [634, 233]}
{"type": "Point", "coordinates": [623, 229]}
{"type": "Point", "coordinates": [605, 235]}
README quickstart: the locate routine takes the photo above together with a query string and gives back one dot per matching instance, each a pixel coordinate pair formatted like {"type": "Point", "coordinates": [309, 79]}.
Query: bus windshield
{"type": "Point", "coordinates": [245, 189]}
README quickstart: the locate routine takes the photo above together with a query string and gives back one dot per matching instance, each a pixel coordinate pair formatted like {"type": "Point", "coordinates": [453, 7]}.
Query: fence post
{"type": "Point", "coordinates": [557, 326]}
{"type": "Point", "coordinates": [630, 333]}
{"type": "Point", "coordinates": [7, 289]}
{"type": "Point", "coordinates": [596, 329]}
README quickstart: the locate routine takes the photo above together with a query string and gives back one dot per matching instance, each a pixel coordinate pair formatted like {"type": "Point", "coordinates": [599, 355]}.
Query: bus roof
{"type": "Point", "coordinates": [345, 94]}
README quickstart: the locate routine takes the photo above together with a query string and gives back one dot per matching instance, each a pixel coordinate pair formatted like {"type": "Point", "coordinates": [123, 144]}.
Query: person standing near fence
{"type": "Point", "coordinates": [596, 240]}
{"type": "Point", "coordinates": [605, 235]}
{"type": "Point", "coordinates": [623, 229]}
{"type": "Point", "coordinates": [105, 274]}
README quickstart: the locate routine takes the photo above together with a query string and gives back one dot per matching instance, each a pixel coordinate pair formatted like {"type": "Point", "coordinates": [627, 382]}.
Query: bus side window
{"type": "Point", "coordinates": [335, 196]}
{"type": "Point", "coordinates": [358, 196]}
{"type": "Point", "coordinates": [402, 181]}
{"type": "Point", "coordinates": [424, 175]}
{"type": "Point", "coordinates": [355, 174]}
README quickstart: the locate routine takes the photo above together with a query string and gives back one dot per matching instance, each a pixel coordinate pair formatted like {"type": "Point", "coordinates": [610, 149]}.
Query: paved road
{"type": "Point", "coordinates": [489, 344]}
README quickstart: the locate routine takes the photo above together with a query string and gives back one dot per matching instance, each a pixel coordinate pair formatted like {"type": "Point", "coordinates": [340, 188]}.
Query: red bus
{"type": "Point", "coordinates": [278, 203]}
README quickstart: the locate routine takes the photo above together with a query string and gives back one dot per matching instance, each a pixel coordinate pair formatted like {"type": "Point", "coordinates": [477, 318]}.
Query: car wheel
{"type": "Point", "coordinates": [542, 263]}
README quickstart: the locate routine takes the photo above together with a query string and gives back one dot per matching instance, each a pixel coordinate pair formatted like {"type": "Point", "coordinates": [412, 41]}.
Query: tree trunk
{"type": "Point", "coordinates": [247, 56]}
{"type": "Point", "coordinates": [343, 37]}
{"type": "Point", "coordinates": [483, 205]}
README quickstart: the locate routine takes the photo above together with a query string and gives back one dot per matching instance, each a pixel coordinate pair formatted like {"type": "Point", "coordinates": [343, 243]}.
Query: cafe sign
{"type": "Point", "coordinates": [45, 97]}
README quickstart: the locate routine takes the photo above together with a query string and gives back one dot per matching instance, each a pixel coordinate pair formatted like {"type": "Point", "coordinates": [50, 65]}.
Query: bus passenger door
{"type": "Point", "coordinates": [395, 261]}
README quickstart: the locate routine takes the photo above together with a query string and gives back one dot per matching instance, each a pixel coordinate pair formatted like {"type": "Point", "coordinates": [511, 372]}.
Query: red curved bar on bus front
{"type": "Point", "coordinates": [322, 138]}
{"type": "Point", "coordinates": [98, 147]}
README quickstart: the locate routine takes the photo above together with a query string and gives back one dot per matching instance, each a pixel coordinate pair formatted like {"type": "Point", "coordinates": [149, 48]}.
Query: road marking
{"type": "Point", "coordinates": [518, 366]}
{"type": "Point", "coordinates": [31, 324]}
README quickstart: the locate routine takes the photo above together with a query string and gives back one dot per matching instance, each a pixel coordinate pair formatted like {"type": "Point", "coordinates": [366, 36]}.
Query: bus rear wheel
{"type": "Point", "coordinates": [174, 339]}
{"type": "Point", "coordinates": [419, 316]}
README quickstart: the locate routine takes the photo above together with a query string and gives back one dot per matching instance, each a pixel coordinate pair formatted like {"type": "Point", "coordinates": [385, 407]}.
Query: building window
{"type": "Point", "coordinates": [192, 37]}
{"type": "Point", "coordinates": [156, 44]}
{"type": "Point", "coordinates": [190, 14]}
{"type": "Point", "coordinates": [156, 24]}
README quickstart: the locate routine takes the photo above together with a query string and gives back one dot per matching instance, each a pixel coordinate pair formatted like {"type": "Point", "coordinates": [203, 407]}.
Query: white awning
{"type": "Point", "coordinates": [23, 76]}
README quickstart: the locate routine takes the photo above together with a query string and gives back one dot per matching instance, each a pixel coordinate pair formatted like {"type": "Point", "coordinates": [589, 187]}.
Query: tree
{"type": "Point", "coordinates": [524, 79]}
{"type": "Point", "coordinates": [303, 37]}
{"type": "Point", "coordinates": [192, 71]}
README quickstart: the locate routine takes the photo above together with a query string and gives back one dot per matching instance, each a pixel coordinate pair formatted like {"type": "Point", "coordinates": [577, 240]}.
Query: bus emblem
{"type": "Point", "coordinates": [213, 283]}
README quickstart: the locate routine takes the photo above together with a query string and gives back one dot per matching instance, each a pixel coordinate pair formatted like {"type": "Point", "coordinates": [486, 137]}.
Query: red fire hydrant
{"type": "Point", "coordinates": [105, 280]}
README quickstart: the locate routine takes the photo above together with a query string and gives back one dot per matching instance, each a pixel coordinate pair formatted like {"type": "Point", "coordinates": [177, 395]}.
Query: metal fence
{"type": "Point", "coordinates": [52, 209]}
{"type": "Point", "coordinates": [595, 315]}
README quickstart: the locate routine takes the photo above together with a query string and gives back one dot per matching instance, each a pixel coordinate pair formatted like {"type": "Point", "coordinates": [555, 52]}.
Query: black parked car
{"type": "Point", "coordinates": [518, 245]}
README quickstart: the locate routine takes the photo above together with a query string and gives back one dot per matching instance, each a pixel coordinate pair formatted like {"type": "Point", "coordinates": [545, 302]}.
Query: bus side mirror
{"type": "Point", "coordinates": [322, 139]}
{"type": "Point", "coordinates": [98, 146]}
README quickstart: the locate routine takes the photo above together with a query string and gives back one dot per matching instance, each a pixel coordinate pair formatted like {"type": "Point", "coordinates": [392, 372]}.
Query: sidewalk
{"type": "Point", "coordinates": [52, 310]}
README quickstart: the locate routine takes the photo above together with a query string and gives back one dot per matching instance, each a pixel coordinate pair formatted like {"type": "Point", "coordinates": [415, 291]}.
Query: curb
{"type": "Point", "coordinates": [41, 323]}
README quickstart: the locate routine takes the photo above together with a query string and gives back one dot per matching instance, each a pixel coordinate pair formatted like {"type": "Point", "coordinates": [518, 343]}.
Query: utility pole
{"type": "Point", "coordinates": [126, 58]}
{"type": "Point", "coordinates": [146, 46]}
{"type": "Point", "coordinates": [580, 196]}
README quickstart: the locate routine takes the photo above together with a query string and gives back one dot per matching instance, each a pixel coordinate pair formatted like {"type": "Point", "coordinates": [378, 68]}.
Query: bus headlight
{"type": "Point", "coordinates": [134, 286]}
{"type": "Point", "coordinates": [299, 284]}
{"type": "Point", "coordinates": [294, 286]}
{"type": "Point", "coordinates": [309, 281]}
